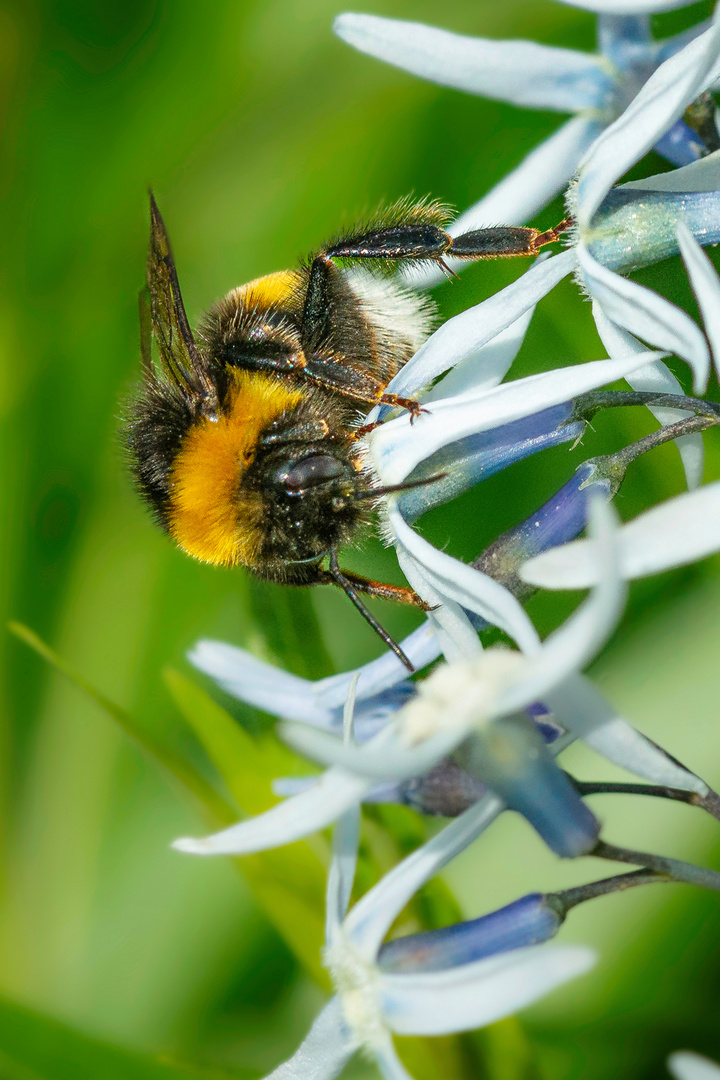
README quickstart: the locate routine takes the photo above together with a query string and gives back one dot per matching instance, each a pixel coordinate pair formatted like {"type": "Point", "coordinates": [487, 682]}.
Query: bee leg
{"type": "Point", "coordinates": [412, 406]}
{"type": "Point", "coordinates": [505, 241]}
{"type": "Point", "coordinates": [408, 243]}
{"type": "Point", "coordinates": [380, 589]}
{"type": "Point", "coordinates": [350, 584]}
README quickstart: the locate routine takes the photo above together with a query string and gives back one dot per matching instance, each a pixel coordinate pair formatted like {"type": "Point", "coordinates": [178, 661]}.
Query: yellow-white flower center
{"type": "Point", "coordinates": [463, 695]}
{"type": "Point", "coordinates": [356, 984]}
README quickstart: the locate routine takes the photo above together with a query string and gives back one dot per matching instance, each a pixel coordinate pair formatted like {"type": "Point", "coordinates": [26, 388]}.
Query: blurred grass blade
{"type": "Point", "coordinates": [179, 769]}
{"type": "Point", "coordinates": [289, 884]}
{"type": "Point", "coordinates": [36, 1046]}
{"type": "Point", "coordinates": [247, 763]}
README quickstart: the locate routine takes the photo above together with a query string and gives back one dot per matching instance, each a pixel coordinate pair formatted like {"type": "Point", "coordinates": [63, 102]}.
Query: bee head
{"type": "Point", "coordinates": [309, 494]}
{"type": "Point", "coordinates": [249, 486]}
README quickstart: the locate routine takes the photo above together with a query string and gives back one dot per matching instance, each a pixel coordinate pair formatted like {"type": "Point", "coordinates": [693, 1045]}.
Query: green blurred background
{"type": "Point", "coordinates": [260, 134]}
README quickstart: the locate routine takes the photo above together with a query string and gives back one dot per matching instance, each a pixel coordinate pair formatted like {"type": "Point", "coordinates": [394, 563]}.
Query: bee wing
{"type": "Point", "coordinates": [145, 331]}
{"type": "Point", "coordinates": [179, 355]}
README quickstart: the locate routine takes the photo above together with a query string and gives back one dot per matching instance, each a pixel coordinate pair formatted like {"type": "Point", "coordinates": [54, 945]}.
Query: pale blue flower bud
{"type": "Point", "coordinates": [634, 227]}
{"type": "Point", "coordinates": [528, 921]}
{"type": "Point", "coordinates": [510, 756]}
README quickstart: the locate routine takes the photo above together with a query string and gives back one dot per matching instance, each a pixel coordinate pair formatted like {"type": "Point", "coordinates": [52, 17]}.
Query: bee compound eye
{"type": "Point", "coordinates": [310, 472]}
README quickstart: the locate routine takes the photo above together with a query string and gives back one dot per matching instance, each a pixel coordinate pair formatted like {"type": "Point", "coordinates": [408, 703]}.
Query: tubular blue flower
{"type": "Point", "coordinates": [473, 705]}
{"type": "Point", "coordinates": [530, 920]}
{"type": "Point", "coordinates": [675, 533]}
{"type": "Point", "coordinates": [594, 88]}
{"type": "Point", "coordinates": [637, 223]}
{"type": "Point", "coordinates": [454, 991]}
{"type": "Point", "coordinates": [397, 448]}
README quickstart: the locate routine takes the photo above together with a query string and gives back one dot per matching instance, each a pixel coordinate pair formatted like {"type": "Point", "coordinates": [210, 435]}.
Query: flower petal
{"type": "Point", "coordinates": [519, 72]}
{"type": "Point", "coordinates": [675, 533]}
{"type": "Point", "coordinates": [381, 683]}
{"type": "Point", "coordinates": [263, 685]}
{"type": "Point", "coordinates": [456, 634]}
{"type": "Point", "coordinates": [466, 586]}
{"type": "Point", "coordinates": [461, 465]}
{"type": "Point", "coordinates": [389, 1063]}
{"type": "Point", "coordinates": [323, 1053]}
{"type": "Point", "coordinates": [669, 46]}
{"type": "Point", "coordinates": [488, 366]}
{"type": "Point", "coordinates": [628, 7]}
{"type": "Point", "coordinates": [656, 378]}
{"type": "Point", "coordinates": [334, 792]}
{"type": "Point", "coordinates": [341, 876]}
{"type": "Point", "coordinates": [385, 757]}
{"type": "Point", "coordinates": [520, 195]}
{"type": "Point", "coordinates": [706, 286]}
{"type": "Point", "coordinates": [397, 446]}
{"type": "Point", "coordinates": [578, 640]}
{"type": "Point", "coordinates": [372, 916]}
{"type": "Point", "coordinates": [472, 995]}
{"type": "Point", "coordinates": [663, 98]}
{"type": "Point", "coordinates": [684, 1065]}
{"type": "Point", "coordinates": [702, 175]}
{"type": "Point", "coordinates": [580, 704]}
{"type": "Point", "coordinates": [464, 335]}
{"type": "Point", "coordinates": [647, 315]}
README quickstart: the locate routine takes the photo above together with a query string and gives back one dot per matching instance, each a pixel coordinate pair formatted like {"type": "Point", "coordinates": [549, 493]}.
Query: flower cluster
{"type": "Point", "coordinates": [482, 732]}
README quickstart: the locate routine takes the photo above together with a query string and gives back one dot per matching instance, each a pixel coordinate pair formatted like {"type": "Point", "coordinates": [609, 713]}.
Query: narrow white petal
{"type": "Point", "coordinates": [292, 698]}
{"type": "Point", "coordinates": [520, 195]}
{"type": "Point", "coordinates": [647, 315]}
{"type": "Point", "coordinates": [706, 286]}
{"type": "Point", "coordinates": [341, 875]}
{"type": "Point", "coordinates": [702, 175]}
{"type": "Point", "coordinates": [383, 758]}
{"type": "Point", "coordinates": [488, 366]}
{"type": "Point", "coordinates": [571, 647]}
{"type": "Point", "coordinates": [463, 336]}
{"type": "Point", "coordinates": [519, 72]}
{"type": "Point", "coordinates": [472, 995]}
{"type": "Point", "coordinates": [578, 704]}
{"type": "Point", "coordinates": [468, 587]}
{"type": "Point", "coordinates": [457, 636]}
{"type": "Point", "coordinates": [334, 792]}
{"type": "Point", "coordinates": [389, 1063]}
{"type": "Point", "coordinates": [323, 1053]}
{"type": "Point", "coordinates": [263, 685]}
{"type": "Point", "coordinates": [398, 446]}
{"type": "Point", "coordinates": [684, 1065]}
{"type": "Point", "coordinates": [421, 647]}
{"type": "Point", "coordinates": [663, 98]}
{"type": "Point", "coordinates": [658, 379]}
{"type": "Point", "coordinates": [628, 7]}
{"type": "Point", "coordinates": [675, 533]}
{"type": "Point", "coordinates": [370, 919]}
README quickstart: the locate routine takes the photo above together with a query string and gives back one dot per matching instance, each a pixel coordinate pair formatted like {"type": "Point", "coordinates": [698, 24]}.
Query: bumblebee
{"type": "Point", "coordinates": [243, 438]}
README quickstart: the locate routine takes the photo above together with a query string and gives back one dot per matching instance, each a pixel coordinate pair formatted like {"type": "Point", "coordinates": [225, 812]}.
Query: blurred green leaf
{"type": "Point", "coordinates": [247, 763]}
{"type": "Point", "coordinates": [37, 1047]}
{"type": "Point", "coordinates": [289, 884]}
{"type": "Point", "coordinates": [180, 770]}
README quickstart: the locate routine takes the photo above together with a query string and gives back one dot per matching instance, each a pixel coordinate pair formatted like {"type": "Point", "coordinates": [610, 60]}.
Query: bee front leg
{"type": "Point", "coordinates": [400, 593]}
{"type": "Point", "coordinates": [352, 584]}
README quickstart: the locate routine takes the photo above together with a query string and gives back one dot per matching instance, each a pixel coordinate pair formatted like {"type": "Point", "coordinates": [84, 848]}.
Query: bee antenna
{"type": "Point", "coordinates": [391, 489]}
{"type": "Point", "coordinates": [339, 578]}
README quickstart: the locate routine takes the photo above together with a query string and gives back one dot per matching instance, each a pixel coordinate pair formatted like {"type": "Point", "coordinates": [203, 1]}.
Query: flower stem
{"type": "Point", "coordinates": [570, 898]}
{"type": "Point", "coordinates": [587, 405]}
{"type": "Point", "coordinates": [709, 802]}
{"type": "Point", "coordinates": [675, 869]}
